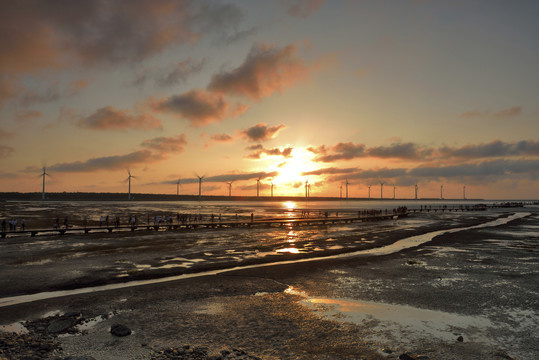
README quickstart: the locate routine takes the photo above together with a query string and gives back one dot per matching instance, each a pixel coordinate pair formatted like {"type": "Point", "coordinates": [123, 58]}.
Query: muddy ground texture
{"type": "Point", "coordinates": [251, 314]}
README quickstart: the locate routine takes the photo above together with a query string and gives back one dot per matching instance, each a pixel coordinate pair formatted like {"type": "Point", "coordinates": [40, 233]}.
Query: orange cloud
{"type": "Point", "coordinates": [266, 70]}
{"type": "Point", "coordinates": [110, 118]}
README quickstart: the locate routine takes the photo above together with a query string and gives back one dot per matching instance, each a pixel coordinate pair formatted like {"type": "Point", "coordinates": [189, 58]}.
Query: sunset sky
{"type": "Point", "coordinates": [396, 92]}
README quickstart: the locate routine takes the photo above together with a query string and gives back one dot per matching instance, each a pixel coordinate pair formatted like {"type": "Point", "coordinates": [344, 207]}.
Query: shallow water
{"type": "Point", "coordinates": [400, 245]}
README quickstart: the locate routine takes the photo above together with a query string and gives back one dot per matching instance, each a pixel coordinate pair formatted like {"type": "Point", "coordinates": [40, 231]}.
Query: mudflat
{"type": "Point", "coordinates": [464, 295]}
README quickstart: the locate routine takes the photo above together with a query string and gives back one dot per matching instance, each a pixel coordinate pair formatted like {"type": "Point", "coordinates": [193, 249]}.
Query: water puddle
{"type": "Point", "coordinates": [401, 319]}
{"type": "Point", "coordinates": [400, 245]}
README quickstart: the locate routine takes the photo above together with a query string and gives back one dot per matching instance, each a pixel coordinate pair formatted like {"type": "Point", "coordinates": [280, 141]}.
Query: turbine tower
{"type": "Point", "coordinates": [178, 184]}
{"type": "Point", "coordinates": [200, 186]}
{"type": "Point", "coordinates": [272, 188]}
{"type": "Point", "coordinates": [415, 186]}
{"type": "Point", "coordinates": [464, 192]}
{"type": "Point", "coordinates": [341, 191]}
{"type": "Point", "coordinates": [129, 181]}
{"type": "Point", "coordinates": [43, 174]}
{"type": "Point", "coordinates": [230, 188]}
{"type": "Point", "coordinates": [258, 187]}
{"type": "Point", "coordinates": [307, 187]}
{"type": "Point", "coordinates": [394, 192]}
{"type": "Point", "coordinates": [441, 192]}
{"type": "Point", "coordinates": [347, 187]}
{"type": "Point", "coordinates": [381, 190]}
{"type": "Point", "coordinates": [369, 192]}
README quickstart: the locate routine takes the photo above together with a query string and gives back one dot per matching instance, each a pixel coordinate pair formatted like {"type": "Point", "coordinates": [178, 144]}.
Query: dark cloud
{"type": "Point", "coordinates": [261, 132]}
{"type": "Point", "coordinates": [155, 150]}
{"type": "Point", "coordinates": [496, 148]}
{"type": "Point", "coordinates": [165, 145]}
{"type": "Point", "coordinates": [302, 8]}
{"type": "Point", "coordinates": [180, 72]}
{"type": "Point", "coordinates": [259, 150]}
{"type": "Point", "coordinates": [199, 107]}
{"type": "Point", "coordinates": [229, 177]}
{"type": "Point", "coordinates": [399, 151]}
{"type": "Point", "coordinates": [374, 174]}
{"type": "Point", "coordinates": [343, 151]}
{"type": "Point", "coordinates": [483, 170]}
{"type": "Point", "coordinates": [40, 35]}
{"type": "Point", "coordinates": [265, 70]}
{"type": "Point", "coordinates": [330, 171]}
{"type": "Point", "coordinates": [110, 118]}
{"type": "Point", "coordinates": [106, 162]}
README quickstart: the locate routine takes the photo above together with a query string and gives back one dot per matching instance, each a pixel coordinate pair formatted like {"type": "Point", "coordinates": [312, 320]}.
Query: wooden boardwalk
{"type": "Point", "coordinates": [245, 223]}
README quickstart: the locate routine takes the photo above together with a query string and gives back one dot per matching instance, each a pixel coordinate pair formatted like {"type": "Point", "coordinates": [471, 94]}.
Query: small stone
{"type": "Point", "coordinates": [59, 325]}
{"type": "Point", "coordinates": [120, 330]}
{"type": "Point", "coordinates": [460, 339]}
{"type": "Point", "coordinates": [73, 314]}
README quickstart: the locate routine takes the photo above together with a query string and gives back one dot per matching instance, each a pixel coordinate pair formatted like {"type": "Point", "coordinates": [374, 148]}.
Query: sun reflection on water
{"type": "Point", "coordinates": [289, 250]}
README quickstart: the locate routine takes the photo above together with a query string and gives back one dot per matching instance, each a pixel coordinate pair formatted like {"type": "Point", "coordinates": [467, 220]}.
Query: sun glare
{"type": "Point", "coordinates": [293, 168]}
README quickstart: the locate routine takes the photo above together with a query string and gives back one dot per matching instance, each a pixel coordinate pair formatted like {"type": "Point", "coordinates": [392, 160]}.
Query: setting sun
{"type": "Point", "coordinates": [292, 169]}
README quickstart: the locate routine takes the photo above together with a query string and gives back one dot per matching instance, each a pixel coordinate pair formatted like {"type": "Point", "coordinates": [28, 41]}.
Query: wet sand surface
{"type": "Point", "coordinates": [465, 295]}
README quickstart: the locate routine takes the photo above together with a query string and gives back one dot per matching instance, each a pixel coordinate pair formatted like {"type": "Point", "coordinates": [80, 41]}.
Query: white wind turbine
{"type": "Point", "coordinates": [416, 187]}
{"type": "Point", "coordinates": [178, 185]}
{"type": "Point", "coordinates": [200, 185]}
{"type": "Point", "coordinates": [381, 190]}
{"type": "Point", "coordinates": [43, 174]}
{"type": "Point", "coordinates": [230, 188]}
{"type": "Point", "coordinates": [272, 185]}
{"type": "Point", "coordinates": [129, 181]}
{"type": "Point", "coordinates": [441, 192]}
{"type": "Point", "coordinates": [258, 187]}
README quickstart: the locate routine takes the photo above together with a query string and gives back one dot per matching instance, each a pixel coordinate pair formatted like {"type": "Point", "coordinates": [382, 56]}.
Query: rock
{"type": "Point", "coordinates": [460, 338]}
{"type": "Point", "coordinates": [120, 330]}
{"type": "Point", "coordinates": [59, 325]}
{"type": "Point", "coordinates": [405, 356]}
{"type": "Point", "coordinates": [83, 357]}
{"type": "Point", "coordinates": [72, 314]}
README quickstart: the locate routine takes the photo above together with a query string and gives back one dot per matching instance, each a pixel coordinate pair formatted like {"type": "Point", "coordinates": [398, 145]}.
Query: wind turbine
{"type": "Point", "coordinates": [464, 192]}
{"type": "Point", "coordinates": [129, 181]}
{"type": "Point", "coordinates": [43, 174]}
{"type": "Point", "coordinates": [341, 190]}
{"type": "Point", "coordinates": [178, 184]}
{"type": "Point", "coordinates": [200, 185]}
{"type": "Point", "coordinates": [258, 187]}
{"type": "Point", "coordinates": [369, 192]}
{"type": "Point", "coordinates": [441, 192]}
{"type": "Point", "coordinates": [272, 188]}
{"type": "Point", "coordinates": [347, 187]}
{"type": "Point", "coordinates": [415, 186]}
{"type": "Point", "coordinates": [394, 192]}
{"type": "Point", "coordinates": [307, 188]}
{"type": "Point", "coordinates": [381, 190]}
{"type": "Point", "coordinates": [230, 188]}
